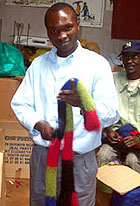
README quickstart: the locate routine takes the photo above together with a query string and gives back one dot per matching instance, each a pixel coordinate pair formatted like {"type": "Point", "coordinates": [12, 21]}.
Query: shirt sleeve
{"type": "Point", "coordinates": [23, 102]}
{"type": "Point", "coordinates": [105, 96]}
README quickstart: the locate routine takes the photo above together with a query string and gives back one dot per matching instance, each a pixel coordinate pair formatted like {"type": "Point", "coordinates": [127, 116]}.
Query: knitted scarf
{"type": "Point", "coordinates": [128, 130]}
{"type": "Point", "coordinates": [124, 131]}
{"type": "Point", "coordinates": [68, 195]}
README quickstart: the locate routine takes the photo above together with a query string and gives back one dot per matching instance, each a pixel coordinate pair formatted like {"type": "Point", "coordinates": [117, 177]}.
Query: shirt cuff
{"type": "Point", "coordinates": [34, 132]}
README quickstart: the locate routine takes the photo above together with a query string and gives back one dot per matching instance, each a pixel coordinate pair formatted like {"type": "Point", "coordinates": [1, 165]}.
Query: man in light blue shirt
{"type": "Point", "coordinates": [35, 102]}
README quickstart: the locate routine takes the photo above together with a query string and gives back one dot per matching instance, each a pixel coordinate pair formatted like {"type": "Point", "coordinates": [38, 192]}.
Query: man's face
{"type": "Point", "coordinates": [62, 30]}
{"type": "Point", "coordinates": [131, 62]}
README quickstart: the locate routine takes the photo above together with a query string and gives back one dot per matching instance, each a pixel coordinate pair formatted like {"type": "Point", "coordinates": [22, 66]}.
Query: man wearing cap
{"type": "Point", "coordinates": [127, 83]}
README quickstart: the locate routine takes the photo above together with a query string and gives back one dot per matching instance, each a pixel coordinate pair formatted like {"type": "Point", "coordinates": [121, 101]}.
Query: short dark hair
{"type": "Point", "coordinates": [58, 6]}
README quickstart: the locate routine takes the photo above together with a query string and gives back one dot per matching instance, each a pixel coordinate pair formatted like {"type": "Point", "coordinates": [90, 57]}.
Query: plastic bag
{"type": "Point", "coordinates": [11, 60]}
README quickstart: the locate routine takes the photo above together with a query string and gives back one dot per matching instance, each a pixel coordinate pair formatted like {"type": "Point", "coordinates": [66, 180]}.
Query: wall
{"type": "Point", "coordinates": [35, 16]}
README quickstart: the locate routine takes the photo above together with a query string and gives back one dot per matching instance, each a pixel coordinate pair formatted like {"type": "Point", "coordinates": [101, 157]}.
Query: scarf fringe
{"type": "Point", "coordinates": [64, 198]}
{"type": "Point", "coordinates": [74, 199]}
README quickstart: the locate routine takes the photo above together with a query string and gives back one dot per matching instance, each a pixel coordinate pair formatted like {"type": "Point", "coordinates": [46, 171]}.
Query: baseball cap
{"type": "Point", "coordinates": [131, 46]}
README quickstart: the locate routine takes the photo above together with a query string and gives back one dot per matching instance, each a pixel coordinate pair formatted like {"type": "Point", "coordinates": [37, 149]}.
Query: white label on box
{"type": "Point", "coordinates": [18, 150]}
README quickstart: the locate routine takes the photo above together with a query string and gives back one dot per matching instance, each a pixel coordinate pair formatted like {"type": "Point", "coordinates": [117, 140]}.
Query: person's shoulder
{"type": "Point", "coordinates": [38, 62]}
{"type": "Point", "coordinates": [42, 56]}
{"type": "Point", "coordinates": [88, 51]}
{"type": "Point", "coordinates": [119, 78]}
{"type": "Point", "coordinates": [119, 75]}
{"type": "Point", "coordinates": [93, 55]}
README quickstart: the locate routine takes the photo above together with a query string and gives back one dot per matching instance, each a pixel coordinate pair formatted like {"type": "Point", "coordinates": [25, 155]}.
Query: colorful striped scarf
{"type": "Point", "coordinates": [127, 130]}
{"type": "Point", "coordinates": [124, 131]}
{"type": "Point", "coordinates": [68, 195]}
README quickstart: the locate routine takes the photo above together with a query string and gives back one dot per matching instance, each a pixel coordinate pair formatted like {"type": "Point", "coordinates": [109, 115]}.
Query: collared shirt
{"type": "Point", "coordinates": [36, 100]}
{"type": "Point", "coordinates": [129, 101]}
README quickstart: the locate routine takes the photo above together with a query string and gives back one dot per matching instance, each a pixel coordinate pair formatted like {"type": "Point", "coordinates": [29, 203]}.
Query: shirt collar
{"type": "Point", "coordinates": [124, 83]}
{"type": "Point", "coordinates": [53, 53]}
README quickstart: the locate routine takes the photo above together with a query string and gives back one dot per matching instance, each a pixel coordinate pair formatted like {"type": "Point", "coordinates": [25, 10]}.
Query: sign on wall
{"type": "Point", "coordinates": [37, 3]}
{"type": "Point", "coordinates": [90, 12]}
{"type": "Point", "coordinates": [109, 4]}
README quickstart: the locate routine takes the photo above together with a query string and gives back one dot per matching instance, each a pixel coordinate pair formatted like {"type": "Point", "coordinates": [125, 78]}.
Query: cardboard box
{"type": "Point", "coordinates": [13, 190]}
{"type": "Point", "coordinates": [2, 174]}
{"type": "Point", "coordinates": [8, 87]}
{"type": "Point", "coordinates": [120, 178]}
{"type": "Point", "coordinates": [2, 144]}
{"type": "Point", "coordinates": [17, 192]}
{"type": "Point", "coordinates": [2, 180]}
{"type": "Point", "coordinates": [18, 149]}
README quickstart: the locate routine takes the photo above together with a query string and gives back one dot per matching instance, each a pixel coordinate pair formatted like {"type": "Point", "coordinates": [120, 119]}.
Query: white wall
{"type": "Point", "coordinates": [35, 16]}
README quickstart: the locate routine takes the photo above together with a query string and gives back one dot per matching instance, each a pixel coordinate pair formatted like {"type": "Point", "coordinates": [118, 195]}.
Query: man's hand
{"type": "Point", "coordinates": [112, 136]}
{"type": "Point", "coordinates": [45, 129]}
{"type": "Point", "coordinates": [131, 141]}
{"type": "Point", "coordinates": [70, 96]}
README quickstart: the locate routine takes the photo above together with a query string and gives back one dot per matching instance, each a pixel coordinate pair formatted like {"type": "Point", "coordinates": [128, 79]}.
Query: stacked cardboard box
{"type": "Point", "coordinates": [8, 87]}
{"type": "Point", "coordinates": [2, 174]}
{"type": "Point", "coordinates": [17, 143]}
{"type": "Point", "coordinates": [16, 148]}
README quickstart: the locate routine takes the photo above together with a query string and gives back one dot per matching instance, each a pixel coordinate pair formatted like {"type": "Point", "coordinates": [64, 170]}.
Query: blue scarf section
{"type": "Point", "coordinates": [131, 198]}
{"type": "Point", "coordinates": [125, 130]}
